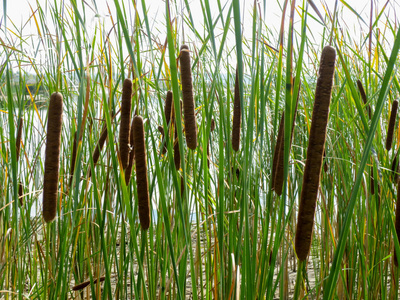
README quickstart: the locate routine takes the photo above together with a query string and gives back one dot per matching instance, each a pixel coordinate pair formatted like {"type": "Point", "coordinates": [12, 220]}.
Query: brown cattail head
{"type": "Point", "coordinates": [397, 222]}
{"type": "Point", "coordinates": [163, 141]}
{"type": "Point", "coordinates": [168, 107]}
{"type": "Point", "coordinates": [20, 193]}
{"type": "Point", "coordinates": [141, 172]}
{"type": "Point", "coordinates": [212, 126]}
{"type": "Point", "coordinates": [124, 128]}
{"type": "Point", "coordinates": [277, 166]}
{"type": "Point", "coordinates": [177, 153]}
{"type": "Point", "coordinates": [73, 158]}
{"type": "Point", "coordinates": [19, 136]}
{"type": "Point", "coordinates": [237, 115]}
{"type": "Point", "coordinates": [188, 100]}
{"type": "Point", "coordinates": [364, 97]}
{"type": "Point", "coordinates": [392, 122]}
{"type": "Point", "coordinates": [52, 159]}
{"type": "Point", "coordinates": [99, 147]}
{"type": "Point", "coordinates": [395, 167]}
{"type": "Point", "coordinates": [316, 144]}
{"type": "Point", "coordinates": [84, 284]}
{"type": "Point", "coordinates": [128, 170]}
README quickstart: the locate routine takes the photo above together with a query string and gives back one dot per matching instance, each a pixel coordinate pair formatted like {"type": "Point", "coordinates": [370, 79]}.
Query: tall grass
{"type": "Point", "coordinates": [216, 229]}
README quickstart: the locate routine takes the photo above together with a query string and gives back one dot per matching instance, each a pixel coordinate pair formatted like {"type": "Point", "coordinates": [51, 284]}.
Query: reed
{"type": "Point", "coordinates": [141, 172]}
{"type": "Point", "coordinates": [364, 97]}
{"type": "Point", "coordinates": [316, 144]}
{"type": "Point", "coordinates": [188, 99]}
{"type": "Point", "coordinates": [52, 157]}
{"type": "Point", "coordinates": [19, 136]}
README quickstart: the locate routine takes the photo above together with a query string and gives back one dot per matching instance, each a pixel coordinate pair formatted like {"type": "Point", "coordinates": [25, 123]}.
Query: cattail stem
{"type": "Point", "coordinates": [392, 122]}
{"type": "Point", "coordinates": [188, 99]}
{"type": "Point", "coordinates": [316, 144]}
{"type": "Point", "coordinates": [124, 129]}
{"type": "Point", "coordinates": [52, 159]}
{"type": "Point", "coordinates": [141, 172]}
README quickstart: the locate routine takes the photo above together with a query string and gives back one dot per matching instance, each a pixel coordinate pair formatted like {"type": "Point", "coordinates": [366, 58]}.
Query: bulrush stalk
{"type": "Point", "coordinates": [124, 128]}
{"type": "Point", "coordinates": [141, 172]}
{"type": "Point", "coordinates": [237, 115]}
{"type": "Point", "coordinates": [52, 158]}
{"type": "Point", "coordinates": [316, 144]}
{"type": "Point", "coordinates": [188, 100]}
{"type": "Point", "coordinates": [392, 122]}
{"type": "Point", "coordinates": [128, 170]}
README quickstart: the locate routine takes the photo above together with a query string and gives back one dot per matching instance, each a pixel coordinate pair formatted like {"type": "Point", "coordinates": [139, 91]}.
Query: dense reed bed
{"type": "Point", "coordinates": [192, 213]}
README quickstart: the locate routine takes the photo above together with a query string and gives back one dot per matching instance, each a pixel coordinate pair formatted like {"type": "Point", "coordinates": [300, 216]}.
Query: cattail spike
{"type": "Point", "coordinates": [19, 137]}
{"type": "Point", "coordinates": [316, 144]}
{"type": "Point", "coordinates": [124, 129]}
{"type": "Point", "coordinates": [188, 100]}
{"type": "Point", "coordinates": [392, 122]}
{"type": "Point", "coordinates": [141, 172]}
{"type": "Point", "coordinates": [237, 115]}
{"type": "Point", "coordinates": [52, 159]}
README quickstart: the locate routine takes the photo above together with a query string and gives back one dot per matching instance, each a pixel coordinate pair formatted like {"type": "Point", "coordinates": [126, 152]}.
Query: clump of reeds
{"type": "Point", "coordinates": [141, 172]}
{"type": "Point", "coordinates": [188, 99]}
{"type": "Point", "coordinates": [316, 144]}
{"type": "Point", "coordinates": [128, 170]}
{"type": "Point", "coordinates": [84, 284]}
{"type": "Point", "coordinates": [392, 122]}
{"type": "Point", "coordinates": [124, 128]}
{"type": "Point", "coordinates": [364, 97]}
{"type": "Point", "coordinates": [237, 115]}
{"type": "Point", "coordinates": [52, 159]}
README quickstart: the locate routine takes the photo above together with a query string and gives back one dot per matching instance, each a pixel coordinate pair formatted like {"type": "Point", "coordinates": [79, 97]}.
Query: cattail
{"type": "Point", "coordinates": [84, 284]}
{"type": "Point", "coordinates": [276, 160]}
{"type": "Point", "coordinates": [212, 126]}
{"type": "Point", "coordinates": [392, 122]}
{"type": "Point", "coordinates": [188, 100]}
{"type": "Point", "coordinates": [99, 147]}
{"type": "Point", "coordinates": [277, 165]}
{"type": "Point", "coordinates": [177, 152]}
{"type": "Point", "coordinates": [128, 170]}
{"type": "Point", "coordinates": [325, 163]}
{"type": "Point", "coordinates": [20, 193]}
{"type": "Point", "coordinates": [141, 172]}
{"type": "Point", "coordinates": [52, 159]}
{"type": "Point", "coordinates": [395, 167]}
{"type": "Point", "coordinates": [167, 112]}
{"type": "Point", "coordinates": [19, 136]}
{"type": "Point", "coordinates": [168, 107]}
{"type": "Point", "coordinates": [73, 158]}
{"type": "Point", "coordinates": [237, 115]}
{"type": "Point", "coordinates": [311, 178]}
{"type": "Point", "coordinates": [397, 222]}
{"type": "Point", "coordinates": [124, 127]}
{"type": "Point", "coordinates": [364, 97]}
{"type": "Point", "coordinates": [163, 141]}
